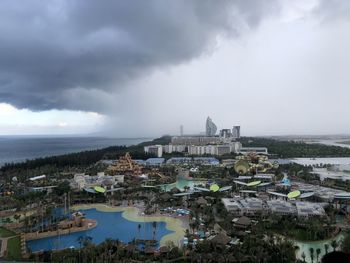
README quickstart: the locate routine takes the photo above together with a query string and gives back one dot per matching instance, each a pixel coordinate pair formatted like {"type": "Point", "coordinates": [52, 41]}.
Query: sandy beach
{"type": "Point", "coordinates": [178, 225]}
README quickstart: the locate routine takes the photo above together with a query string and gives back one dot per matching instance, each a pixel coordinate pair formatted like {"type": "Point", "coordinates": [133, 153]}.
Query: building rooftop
{"type": "Point", "coordinates": [281, 207]}
{"type": "Point", "coordinates": [307, 209]}
{"type": "Point", "coordinates": [155, 161]}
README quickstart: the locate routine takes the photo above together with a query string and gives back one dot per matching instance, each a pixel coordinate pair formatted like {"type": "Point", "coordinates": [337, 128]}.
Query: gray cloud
{"type": "Point", "coordinates": [71, 54]}
{"type": "Point", "coordinates": [333, 9]}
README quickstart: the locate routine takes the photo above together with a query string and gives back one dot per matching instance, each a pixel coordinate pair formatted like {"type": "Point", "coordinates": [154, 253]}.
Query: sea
{"type": "Point", "coordinates": [14, 149]}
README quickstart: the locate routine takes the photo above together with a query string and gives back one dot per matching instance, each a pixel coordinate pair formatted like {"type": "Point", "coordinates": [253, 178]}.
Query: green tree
{"type": "Point", "coordinates": [318, 252]}
{"type": "Point", "coordinates": [62, 188]}
{"type": "Point", "coordinates": [345, 245]}
{"type": "Point", "coordinates": [311, 250]}
{"type": "Point", "coordinates": [334, 244]}
{"type": "Point", "coordinates": [17, 217]}
{"type": "Point", "coordinates": [139, 230]}
{"type": "Point", "coordinates": [326, 247]}
{"type": "Point", "coordinates": [303, 256]}
{"type": "Point", "coordinates": [154, 225]}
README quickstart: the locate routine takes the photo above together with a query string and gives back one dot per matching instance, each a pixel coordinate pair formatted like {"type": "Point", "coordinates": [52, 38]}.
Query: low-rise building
{"type": "Point", "coordinates": [228, 162]}
{"type": "Point", "coordinates": [282, 207]}
{"type": "Point", "coordinates": [155, 161]}
{"type": "Point", "coordinates": [217, 149]}
{"type": "Point", "coordinates": [243, 222]}
{"type": "Point", "coordinates": [308, 209]}
{"type": "Point", "coordinates": [81, 180]}
{"type": "Point", "coordinates": [251, 206]}
{"type": "Point", "coordinates": [243, 206]}
{"type": "Point", "coordinates": [206, 161]}
{"type": "Point", "coordinates": [258, 150]}
{"type": "Point", "coordinates": [179, 160]}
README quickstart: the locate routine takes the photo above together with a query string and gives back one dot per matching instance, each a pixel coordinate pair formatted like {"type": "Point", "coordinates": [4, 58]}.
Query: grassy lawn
{"type": "Point", "coordinates": [13, 244]}
{"type": "Point", "coordinates": [6, 233]}
{"type": "Point", "coordinates": [14, 249]}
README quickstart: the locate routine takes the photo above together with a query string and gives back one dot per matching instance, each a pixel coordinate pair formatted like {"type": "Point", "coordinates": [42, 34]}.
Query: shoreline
{"type": "Point", "coordinates": [131, 213]}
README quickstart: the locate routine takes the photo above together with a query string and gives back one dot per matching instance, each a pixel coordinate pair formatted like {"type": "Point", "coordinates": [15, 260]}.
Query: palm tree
{"type": "Point", "coordinates": [154, 225]}
{"type": "Point", "coordinates": [303, 256]}
{"type": "Point", "coordinates": [334, 244]}
{"type": "Point", "coordinates": [139, 230]}
{"type": "Point", "coordinates": [318, 252]}
{"type": "Point", "coordinates": [84, 241]}
{"type": "Point", "coordinates": [17, 217]}
{"type": "Point", "coordinates": [26, 223]}
{"type": "Point", "coordinates": [326, 247]}
{"type": "Point", "coordinates": [311, 249]}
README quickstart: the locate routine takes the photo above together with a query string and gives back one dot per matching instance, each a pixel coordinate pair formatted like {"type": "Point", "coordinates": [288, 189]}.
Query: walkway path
{"type": "Point", "coordinates": [3, 245]}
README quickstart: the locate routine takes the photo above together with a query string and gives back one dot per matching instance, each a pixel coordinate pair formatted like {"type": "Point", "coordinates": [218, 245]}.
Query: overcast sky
{"type": "Point", "coordinates": [143, 68]}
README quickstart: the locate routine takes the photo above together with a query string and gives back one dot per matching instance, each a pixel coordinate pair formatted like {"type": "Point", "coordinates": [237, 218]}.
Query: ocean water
{"type": "Point", "coordinates": [109, 225]}
{"type": "Point", "coordinates": [19, 149]}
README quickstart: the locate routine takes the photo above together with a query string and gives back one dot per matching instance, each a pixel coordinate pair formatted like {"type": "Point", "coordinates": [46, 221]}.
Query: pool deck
{"type": "Point", "coordinates": [132, 213]}
{"type": "Point", "coordinates": [38, 235]}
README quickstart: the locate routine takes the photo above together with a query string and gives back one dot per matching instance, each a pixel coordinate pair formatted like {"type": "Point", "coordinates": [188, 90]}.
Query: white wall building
{"type": "Point", "coordinates": [210, 149]}
{"type": "Point", "coordinates": [246, 150]}
{"type": "Point", "coordinates": [170, 148]}
{"type": "Point", "coordinates": [157, 150]}
{"type": "Point", "coordinates": [219, 149]}
{"type": "Point", "coordinates": [82, 180]}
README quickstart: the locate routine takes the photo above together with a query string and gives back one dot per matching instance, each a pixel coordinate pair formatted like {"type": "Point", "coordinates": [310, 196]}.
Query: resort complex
{"type": "Point", "coordinates": [180, 206]}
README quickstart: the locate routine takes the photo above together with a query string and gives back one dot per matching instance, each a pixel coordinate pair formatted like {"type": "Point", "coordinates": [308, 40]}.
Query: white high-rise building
{"type": "Point", "coordinates": [210, 127]}
{"type": "Point", "coordinates": [157, 150]}
{"type": "Point", "coordinates": [236, 132]}
{"type": "Point", "coordinates": [225, 133]}
{"type": "Point", "coordinates": [170, 148]}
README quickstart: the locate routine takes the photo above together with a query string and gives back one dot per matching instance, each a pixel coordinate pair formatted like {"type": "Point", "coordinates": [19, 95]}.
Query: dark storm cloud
{"type": "Point", "coordinates": [53, 51]}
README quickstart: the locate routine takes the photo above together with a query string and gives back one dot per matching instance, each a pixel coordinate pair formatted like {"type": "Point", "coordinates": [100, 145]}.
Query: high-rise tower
{"type": "Point", "coordinates": [236, 132]}
{"type": "Point", "coordinates": [210, 127]}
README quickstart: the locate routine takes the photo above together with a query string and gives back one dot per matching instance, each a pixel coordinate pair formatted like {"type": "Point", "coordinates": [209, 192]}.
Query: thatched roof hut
{"type": "Point", "coordinates": [164, 249]}
{"type": "Point", "coordinates": [201, 201]}
{"type": "Point", "coordinates": [149, 250]}
{"type": "Point", "coordinates": [221, 239]}
{"type": "Point", "coordinates": [243, 222]}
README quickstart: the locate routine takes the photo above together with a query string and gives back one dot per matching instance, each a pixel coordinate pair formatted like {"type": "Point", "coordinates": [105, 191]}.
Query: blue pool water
{"type": "Point", "coordinates": [110, 225]}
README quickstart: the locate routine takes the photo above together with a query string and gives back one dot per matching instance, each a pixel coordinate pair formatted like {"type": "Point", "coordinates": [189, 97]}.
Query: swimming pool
{"type": "Point", "coordinates": [181, 183]}
{"type": "Point", "coordinates": [109, 225]}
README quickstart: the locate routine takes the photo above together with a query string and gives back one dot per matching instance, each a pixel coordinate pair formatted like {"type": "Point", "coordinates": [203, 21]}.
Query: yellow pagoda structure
{"type": "Point", "coordinates": [125, 165]}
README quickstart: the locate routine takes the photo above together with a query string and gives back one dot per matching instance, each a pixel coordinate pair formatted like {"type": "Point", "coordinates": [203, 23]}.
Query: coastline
{"type": "Point", "coordinates": [131, 213]}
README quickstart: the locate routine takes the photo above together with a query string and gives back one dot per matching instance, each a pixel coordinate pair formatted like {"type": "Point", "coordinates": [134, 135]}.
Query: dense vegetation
{"type": "Point", "coordinates": [55, 164]}
{"type": "Point", "coordinates": [292, 149]}
{"type": "Point", "coordinates": [305, 230]}
{"type": "Point", "coordinates": [84, 160]}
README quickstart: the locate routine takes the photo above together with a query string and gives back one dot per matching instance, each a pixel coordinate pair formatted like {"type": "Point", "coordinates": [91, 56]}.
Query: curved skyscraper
{"type": "Point", "coordinates": [210, 127]}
